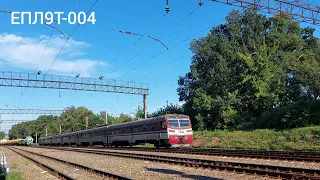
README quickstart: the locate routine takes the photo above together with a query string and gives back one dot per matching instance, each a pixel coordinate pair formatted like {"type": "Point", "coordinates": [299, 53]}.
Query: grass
{"type": "Point", "coordinates": [13, 174]}
{"type": "Point", "coordinates": [307, 138]}
{"type": "Point", "coordinates": [147, 145]}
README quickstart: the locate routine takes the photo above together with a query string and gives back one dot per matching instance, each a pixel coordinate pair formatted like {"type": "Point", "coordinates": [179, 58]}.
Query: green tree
{"type": "Point", "coordinates": [248, 66]}
{"type": "Point", "coordinates": [2, 134]}
{"type": "Point", "coordinates": [139, 113]}
{"type": "Point", "coordinates": [72, 119]}
{"type": "Point", "coordinates": [168, 109]}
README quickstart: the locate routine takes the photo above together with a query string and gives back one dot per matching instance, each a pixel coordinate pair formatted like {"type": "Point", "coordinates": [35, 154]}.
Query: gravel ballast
{"type": "Point", "coordinates": [141, 169]}
{"type": "Point", "coordinates": [69, 170]}
{"type": "Point", "coordinates": [27, 168]}
{"type": "Point", "coordinates": [296, 164]}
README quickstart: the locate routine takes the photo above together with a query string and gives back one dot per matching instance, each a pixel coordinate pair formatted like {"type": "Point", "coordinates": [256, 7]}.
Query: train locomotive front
{"type": "Point", "coordinates": [179, 130]}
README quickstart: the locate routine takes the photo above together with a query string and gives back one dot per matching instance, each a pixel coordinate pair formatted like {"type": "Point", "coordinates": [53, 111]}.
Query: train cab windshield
{"type": "Point", "coordinates": [178, 123]}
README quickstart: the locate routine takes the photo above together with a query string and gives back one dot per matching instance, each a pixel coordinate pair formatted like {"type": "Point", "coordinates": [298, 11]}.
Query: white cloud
{"type": "Point", "coordinates": [25, 52]}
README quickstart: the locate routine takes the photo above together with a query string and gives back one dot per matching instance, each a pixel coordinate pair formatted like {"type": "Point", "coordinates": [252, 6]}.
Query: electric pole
{"type": "Point", "coordinates": [145, 106]}
{"type": "Point", "coordinates": [87, 118]}
{"type": "Point", "coordinates": [106, 117]}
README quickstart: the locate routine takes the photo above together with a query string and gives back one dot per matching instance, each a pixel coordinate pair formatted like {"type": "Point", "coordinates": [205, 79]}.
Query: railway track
{"type": "Point", "coordinates": [264, 170]}
{"type": "Point", "coordinates": [278, 155]}
{"type": "Point", "coordinates": [51, 170]}
{"type": "Point", "coordinates": [63, 175]}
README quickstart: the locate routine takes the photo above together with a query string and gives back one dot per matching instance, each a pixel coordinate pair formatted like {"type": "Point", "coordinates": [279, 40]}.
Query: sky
{"type": "Point", "coordinates": [98, 49]}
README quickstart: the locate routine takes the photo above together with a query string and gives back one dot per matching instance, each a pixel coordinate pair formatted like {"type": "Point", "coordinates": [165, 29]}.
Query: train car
{"type": "Point", "coordinates": [28, 141]}
{"type": "Point", "coordinates": [10, 142]}
{"type": "Point", "coordinates": [170, 130]}
{"type": "Point", "coordinates": [17, 142]}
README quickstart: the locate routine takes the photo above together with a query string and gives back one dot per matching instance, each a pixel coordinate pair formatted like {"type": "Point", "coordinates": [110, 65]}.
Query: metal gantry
{"type": "Point", "coordinates": [50, 81]}
{"type": "Point", "coordinates": [26, 111]}
{"type": "Point", "coordinates": [299, 10]}
{"type": "Point", "coordinates": [30, 111]}
{"type": "Point", "coordinates": [12, 121]}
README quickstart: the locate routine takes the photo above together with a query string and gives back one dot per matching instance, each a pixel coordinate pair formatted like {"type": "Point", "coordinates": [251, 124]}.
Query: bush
{"type": "Point", "coordinates": [300, 114]}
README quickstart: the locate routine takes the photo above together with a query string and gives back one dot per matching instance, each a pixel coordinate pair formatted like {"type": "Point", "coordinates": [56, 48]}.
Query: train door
{"type": "Point", "coordinates": [109, 132]}
{"type": "Point", "coordinates": [77, 140]}
{"type": "Point", "coordinates": [131, 140]}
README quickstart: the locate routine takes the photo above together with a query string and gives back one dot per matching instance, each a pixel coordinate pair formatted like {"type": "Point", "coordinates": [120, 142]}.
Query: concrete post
{"type": "Point", "coordinates": [145, 106]}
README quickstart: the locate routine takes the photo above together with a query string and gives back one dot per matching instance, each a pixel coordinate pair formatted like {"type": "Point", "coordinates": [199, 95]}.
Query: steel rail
{"type": "Point", "coordinates": [289, 156]}
{"type": "Point", "coordinates": [97, 171]}
{"type": "Point", "coordinates": [317, 153]}
{"type": "Point", "coordinates": [307, 157]}
{"type": "Point", "coordinates": [50, 169]}
{"type": "Point", "coordinates": [264, 170]}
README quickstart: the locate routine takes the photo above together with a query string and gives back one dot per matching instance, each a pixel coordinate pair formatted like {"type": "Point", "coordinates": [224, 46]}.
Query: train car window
{"type": "Point", "coordinates": [184, 123]}
{"type": "Point", "coordinates": [148, 127]}
{"type": "Point", "coordinates": [163, 125]}
{"type": "Point", "coordinates": [155, 126]}
{"type": "Point", "coordinates": [173, 123]}
{"type": "Point", "coordinates": [123, 130]}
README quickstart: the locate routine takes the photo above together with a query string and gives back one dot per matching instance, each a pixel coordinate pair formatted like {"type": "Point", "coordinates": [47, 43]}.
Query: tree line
{"type": "Point", "coordinates": [72, 119]}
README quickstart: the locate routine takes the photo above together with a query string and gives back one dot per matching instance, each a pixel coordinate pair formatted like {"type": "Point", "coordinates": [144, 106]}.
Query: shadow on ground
{"type": "Point", "coordinates": [182, 174]}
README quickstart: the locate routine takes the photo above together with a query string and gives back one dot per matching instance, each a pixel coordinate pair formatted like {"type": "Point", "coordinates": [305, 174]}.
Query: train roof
{"type": "Point", "coordinates": [141, 121]}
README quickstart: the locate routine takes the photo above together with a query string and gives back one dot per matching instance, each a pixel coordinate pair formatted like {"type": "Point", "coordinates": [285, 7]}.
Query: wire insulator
{"type": "Point", "coordinates": [167, 6]}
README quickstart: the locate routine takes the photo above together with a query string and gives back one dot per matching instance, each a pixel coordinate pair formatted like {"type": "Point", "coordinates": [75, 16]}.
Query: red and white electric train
{"type": "Point", "coordinates": [170, 130]}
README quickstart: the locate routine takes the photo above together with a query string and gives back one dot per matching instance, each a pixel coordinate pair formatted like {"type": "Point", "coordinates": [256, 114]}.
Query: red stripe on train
{"type": "Point", "coordinates": [183, 139]}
